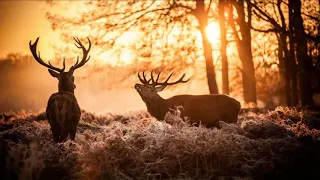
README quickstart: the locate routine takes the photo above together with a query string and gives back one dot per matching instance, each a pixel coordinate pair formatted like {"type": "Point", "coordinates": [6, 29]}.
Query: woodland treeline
{"type": "Point", "coordinates": [270, 37]}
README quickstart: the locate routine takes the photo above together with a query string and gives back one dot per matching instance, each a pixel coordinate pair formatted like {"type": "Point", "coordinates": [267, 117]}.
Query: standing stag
{"type": "Point", "coordinates": [209, 109]}
{"type": "Point", "coordinates": [63, 111]}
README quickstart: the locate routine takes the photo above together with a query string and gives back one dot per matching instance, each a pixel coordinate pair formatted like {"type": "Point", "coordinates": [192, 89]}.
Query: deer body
{"type": "Point", "coordinates": [63, 111]}
{"type": "Point", "coordinates": [207, 109]}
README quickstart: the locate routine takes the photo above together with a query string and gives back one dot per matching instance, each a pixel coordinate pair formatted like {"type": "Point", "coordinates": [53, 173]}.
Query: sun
{"type": "Point", "coordinates": [127, 56]}
{"type": "Point", "coordinates": [213, 32]}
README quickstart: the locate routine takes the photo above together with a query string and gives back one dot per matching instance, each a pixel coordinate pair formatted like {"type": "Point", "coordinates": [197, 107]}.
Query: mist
{"type": "Point", "coordinates": [26, 85]}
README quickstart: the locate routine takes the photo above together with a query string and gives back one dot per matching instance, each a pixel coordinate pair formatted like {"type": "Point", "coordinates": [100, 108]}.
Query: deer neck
{"type": "Point", "coordinates": [66, 87]}
{"type": "Point", "coordinates": [157, 106]}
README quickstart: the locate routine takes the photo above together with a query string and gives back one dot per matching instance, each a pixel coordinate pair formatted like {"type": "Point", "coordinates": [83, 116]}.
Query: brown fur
{"type": "Point", "coordinates": [63, 113]}
{"type": "Point", "coordinates": [207, 109]}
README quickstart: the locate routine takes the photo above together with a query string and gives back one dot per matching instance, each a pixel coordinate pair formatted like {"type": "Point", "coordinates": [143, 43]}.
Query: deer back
{"type": "Point", "coordinates": [63, 109]}
{"type": "Point", "coordinates": [208, 109]}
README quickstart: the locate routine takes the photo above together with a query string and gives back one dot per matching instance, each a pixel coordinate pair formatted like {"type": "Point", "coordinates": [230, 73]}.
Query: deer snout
{"type": "Point", "coordinates": [137, 87]}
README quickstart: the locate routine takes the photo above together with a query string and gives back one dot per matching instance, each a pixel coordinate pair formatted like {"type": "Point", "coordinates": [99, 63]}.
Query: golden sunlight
{"type": "Point", "coordinates": [127, 56]}
{"type": "Point", "coordinates": [213, 32]}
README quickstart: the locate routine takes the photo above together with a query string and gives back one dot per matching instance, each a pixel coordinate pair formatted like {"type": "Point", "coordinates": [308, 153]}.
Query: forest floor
{"type": "Point", "coordinates": [280, 144]}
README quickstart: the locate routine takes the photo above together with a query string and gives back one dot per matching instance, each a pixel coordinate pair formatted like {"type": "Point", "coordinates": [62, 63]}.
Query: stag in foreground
{"type": "Point", "coordinates": [207, 109]}
{"type": "Point", "coordinates": [63, 111]}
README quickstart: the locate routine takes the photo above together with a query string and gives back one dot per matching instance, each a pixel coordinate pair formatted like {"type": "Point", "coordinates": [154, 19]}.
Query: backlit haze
{"type": "Point", "coordinates": [22, 21]}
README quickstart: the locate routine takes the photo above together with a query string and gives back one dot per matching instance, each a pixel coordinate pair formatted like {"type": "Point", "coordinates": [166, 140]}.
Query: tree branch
{"type": "Point", "coordinates": [271, 20]}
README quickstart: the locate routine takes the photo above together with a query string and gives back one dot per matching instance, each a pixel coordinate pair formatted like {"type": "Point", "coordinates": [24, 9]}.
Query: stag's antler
{"type": "Point", "coordinates": [85, 54]}
{"type": "Point", "coordinates": [33, 49]}
{"type": "Point", "coordinates": [155, 83]}
{"type": "Point", "coordinates": [144, 80]}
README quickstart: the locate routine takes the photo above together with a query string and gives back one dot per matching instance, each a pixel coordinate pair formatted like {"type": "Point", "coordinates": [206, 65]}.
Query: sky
{"type": "Point", "coordinates": [22, 21]}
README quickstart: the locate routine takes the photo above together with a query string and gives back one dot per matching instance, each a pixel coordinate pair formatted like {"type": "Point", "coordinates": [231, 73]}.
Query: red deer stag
{"type": "Point", "coordinates": [209, 109]}
{"type": "Point", "coordinates": [63, 111]}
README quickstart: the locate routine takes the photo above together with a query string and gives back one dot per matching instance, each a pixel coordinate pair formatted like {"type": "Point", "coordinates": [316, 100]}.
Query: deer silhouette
{"type": "Point", "coordinates": [207, 109]}
{"type": "Point", "coordinates": [63, 111]}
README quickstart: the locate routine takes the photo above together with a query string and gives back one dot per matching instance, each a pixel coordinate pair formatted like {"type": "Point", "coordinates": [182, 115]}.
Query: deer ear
{"type": "Point", "coordinates": [54, 74]}
{"type": "Point", "coordinates": [160, 88]}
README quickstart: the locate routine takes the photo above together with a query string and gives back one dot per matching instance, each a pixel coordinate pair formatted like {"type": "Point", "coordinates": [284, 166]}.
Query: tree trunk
{"type": "Point", "coordinates": [223, 49]}
{"type": "Point", "coordinates": [202, 16]}
{"type": "Point", "coordinates": [211, 75]}
{"type": "Point", "coordinates": [304, 61]}
{"type": "Point", "coordinates": [284, 57]}
{"type": "Point", "coordinates": [283, 52]}
{"type": "Point", "coordinates": [248, 75]}
{"type": "Point", "coordinates": [245, 53]}
{"type": "Point", "coordinates": [284, 66]}
{"type": "Point", "coordinates": [292, 62]}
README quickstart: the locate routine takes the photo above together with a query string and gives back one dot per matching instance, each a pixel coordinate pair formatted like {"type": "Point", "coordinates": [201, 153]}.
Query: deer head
{"type": "Point", "coordinates": [66, 79]}
{"type": "Point", "coordinates": [149, 89]}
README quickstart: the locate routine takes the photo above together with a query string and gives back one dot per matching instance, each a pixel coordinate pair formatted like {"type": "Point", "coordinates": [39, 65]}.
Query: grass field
{"type": "Point", "coordinates": [279, 144]}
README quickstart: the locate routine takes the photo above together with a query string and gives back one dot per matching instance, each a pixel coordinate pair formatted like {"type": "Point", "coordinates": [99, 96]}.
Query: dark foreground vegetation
{"type": "Point", "coordinates": [279, 144]}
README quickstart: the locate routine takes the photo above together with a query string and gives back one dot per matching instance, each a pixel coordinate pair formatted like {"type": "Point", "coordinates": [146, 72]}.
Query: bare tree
{"type": "Point", "coordinates": [223, 48]}
{"type": "Point", "coordinates": [292, 61]}
{"type": "Point", "coordinates": [274, 16]}
{"type": "Point", "coordinates": [167, 29]}
{"type": "Point", "coordinates": [284, 21]}
{"type": "Point", "coordinates": [243, 42]}
{"type": "Point", "coordinates": [304, 61]}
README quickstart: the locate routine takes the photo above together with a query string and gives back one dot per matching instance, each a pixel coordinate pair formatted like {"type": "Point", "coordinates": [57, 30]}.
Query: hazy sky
{"type": "Point", "coordinates": [22, 21]}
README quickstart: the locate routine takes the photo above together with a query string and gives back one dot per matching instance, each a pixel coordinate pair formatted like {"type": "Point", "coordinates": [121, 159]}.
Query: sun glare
{"type": "Point", "coordinates": [213, 32]}
{"type": "Point", "coordinates": [129, 38]}
{"type": "Point", "coordinates": [127, 56]}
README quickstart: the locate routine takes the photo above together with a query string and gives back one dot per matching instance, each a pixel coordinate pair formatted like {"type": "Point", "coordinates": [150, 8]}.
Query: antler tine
{"type": "Point", "coordinates": [166, 81]}
{"type": "Point", "coordinates": [64, 64]}
{"type": "Point", "coordinates": [155, 82]}
{"type": "Point", "coordinates": [144, 76]}
{"type": "Point", "coordinates": [76, 61]}
{"type": "Point", "coordinates": [85, 52]}
{"type": "Point", "coordinates": [33, 49]}
{"type": "Point", "coordinates": [77, 41]}
{"type": "Point", "coordinates": [176, 82]}
{"type": "Point", "coordinates": [144, 80]}
{"type": "Point", "coordinates": [180, 80]}
{"type": "Point", "coordinates": [158, 76]}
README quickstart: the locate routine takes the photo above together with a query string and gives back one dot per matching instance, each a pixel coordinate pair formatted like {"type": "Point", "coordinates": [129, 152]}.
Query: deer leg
{"type": "Point", "coordinates": [55, 129]}
{"type": "Point", "coordinates": [233, 118]}
{"type": "Point", "coordinates": [73, 131]}
{"type": "Point", "coordinates": [64, 133]}
{"type": "Point", "coordinates": [230, 118]}
{"type": "Point", "coordinates": [73, 128]}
